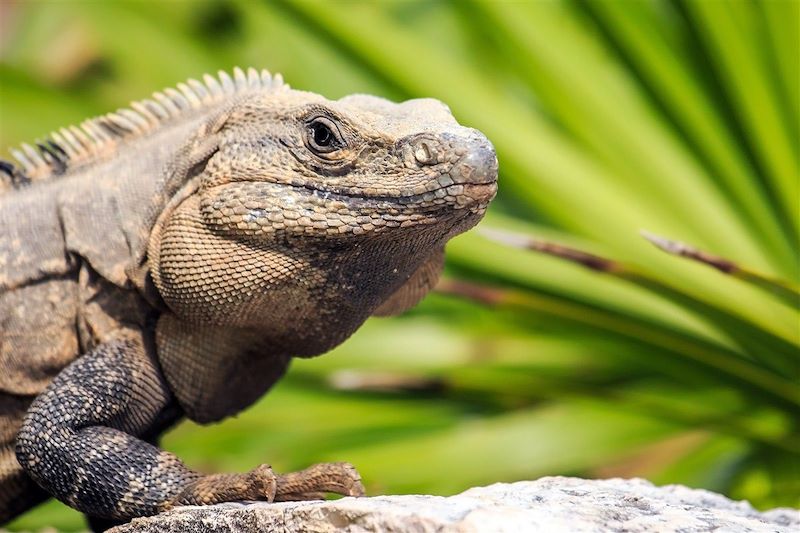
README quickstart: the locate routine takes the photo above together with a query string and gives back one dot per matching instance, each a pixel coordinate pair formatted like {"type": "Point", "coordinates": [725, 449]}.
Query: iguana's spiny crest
{"type": "Point", "coordinates": [71, 147]}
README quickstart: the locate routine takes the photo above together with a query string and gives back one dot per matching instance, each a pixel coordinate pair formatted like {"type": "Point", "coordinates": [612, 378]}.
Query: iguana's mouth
{"type": "Point", "coordinates": [428, 197]}
{"type": "Point", "coordinates": [472, 179]}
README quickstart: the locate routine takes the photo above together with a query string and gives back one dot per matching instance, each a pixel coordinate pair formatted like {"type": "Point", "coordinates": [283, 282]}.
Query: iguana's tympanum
{"type": "Point", "coordinates": [170, 260]}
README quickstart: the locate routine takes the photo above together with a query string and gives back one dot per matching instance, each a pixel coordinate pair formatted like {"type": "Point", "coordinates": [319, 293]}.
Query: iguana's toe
{"type": "Point", "coordinates": [316, 480]}
{"type": "Point", "coordinates": [258, 484]}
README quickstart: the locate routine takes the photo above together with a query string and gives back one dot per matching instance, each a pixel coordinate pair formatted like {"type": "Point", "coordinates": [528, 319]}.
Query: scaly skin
{"type": "Point", "coordinates": [186, 255]}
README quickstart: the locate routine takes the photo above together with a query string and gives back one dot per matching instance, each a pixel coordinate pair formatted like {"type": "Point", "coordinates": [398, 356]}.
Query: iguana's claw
{"type": "Point", "coordinates": [264, 481]}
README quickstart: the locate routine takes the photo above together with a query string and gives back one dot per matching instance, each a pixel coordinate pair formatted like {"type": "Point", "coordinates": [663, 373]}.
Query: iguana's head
{"type": "Point", "coordinates": [303, 166]}
{"type": "Point", "coordinates": [308, 215]}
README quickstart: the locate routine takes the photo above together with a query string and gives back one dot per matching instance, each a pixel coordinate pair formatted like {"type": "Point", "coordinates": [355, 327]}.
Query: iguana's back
{"type": "Point", "coordinates": [38, 294]}
{"type": "Point", "coordinates": [66, 243]}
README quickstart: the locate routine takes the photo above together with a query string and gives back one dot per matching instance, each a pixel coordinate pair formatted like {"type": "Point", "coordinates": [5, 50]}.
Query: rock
{"type": "Point", "coordinates": [552, 504]}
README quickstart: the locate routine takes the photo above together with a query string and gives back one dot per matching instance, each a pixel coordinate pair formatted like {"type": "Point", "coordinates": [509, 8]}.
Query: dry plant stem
{"type": "Point", "coordinates": [783, 289]}
{"type": "Point", "coordinates": [594, 262]}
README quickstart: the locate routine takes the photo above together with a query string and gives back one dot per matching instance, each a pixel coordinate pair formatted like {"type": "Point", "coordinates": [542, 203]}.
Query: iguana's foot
{"type": "Point", "coordinates": [313, 482]}
{"type": "Point", "coordinates": [262, 484]}
{"type": "Point", "coordinates": [258, 484]}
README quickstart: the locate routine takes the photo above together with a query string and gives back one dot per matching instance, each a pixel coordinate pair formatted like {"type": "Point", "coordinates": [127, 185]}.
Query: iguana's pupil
{"type": "Point", "coordinates": [323, 136]}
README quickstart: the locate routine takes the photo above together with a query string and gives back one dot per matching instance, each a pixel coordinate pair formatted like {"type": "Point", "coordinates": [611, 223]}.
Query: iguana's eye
{"type": "Point", "coordinates": [323, 136]}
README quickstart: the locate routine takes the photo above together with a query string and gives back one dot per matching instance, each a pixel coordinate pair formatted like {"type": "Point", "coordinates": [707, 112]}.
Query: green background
{"type": "Point", "coordinates": [608, 117]}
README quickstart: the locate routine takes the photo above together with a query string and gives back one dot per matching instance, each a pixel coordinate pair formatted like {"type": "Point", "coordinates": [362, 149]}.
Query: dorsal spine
{"type": "Point", "coordinates": [72, 146]}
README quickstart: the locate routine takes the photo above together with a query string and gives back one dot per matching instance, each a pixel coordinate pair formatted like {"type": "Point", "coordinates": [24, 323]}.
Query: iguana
{"type": "Point", "coordinates": [171, 258]}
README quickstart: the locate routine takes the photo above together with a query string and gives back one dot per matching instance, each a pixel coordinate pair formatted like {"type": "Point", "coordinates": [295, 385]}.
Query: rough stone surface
{"type": "Point", "coordinates": [552, 504]}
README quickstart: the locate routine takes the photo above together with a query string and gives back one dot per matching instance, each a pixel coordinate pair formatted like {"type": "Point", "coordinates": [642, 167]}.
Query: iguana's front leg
{"type": "Point", "coordinates": [80, 439]}
{"type": "Point", "coordinates": [80, 442]}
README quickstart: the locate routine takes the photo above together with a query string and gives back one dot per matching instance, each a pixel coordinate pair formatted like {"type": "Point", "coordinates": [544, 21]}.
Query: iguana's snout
{"type": "Point", "coordinates": [476, 171]}
{"type": "Point", "coordinates": [472, 178]}
{"type": "Point", "coordinates": [479, 165]}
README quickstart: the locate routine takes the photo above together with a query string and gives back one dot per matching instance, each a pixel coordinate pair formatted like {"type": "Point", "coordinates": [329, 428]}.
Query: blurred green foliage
{"type": "Point", "coordinates": [608, 116]}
